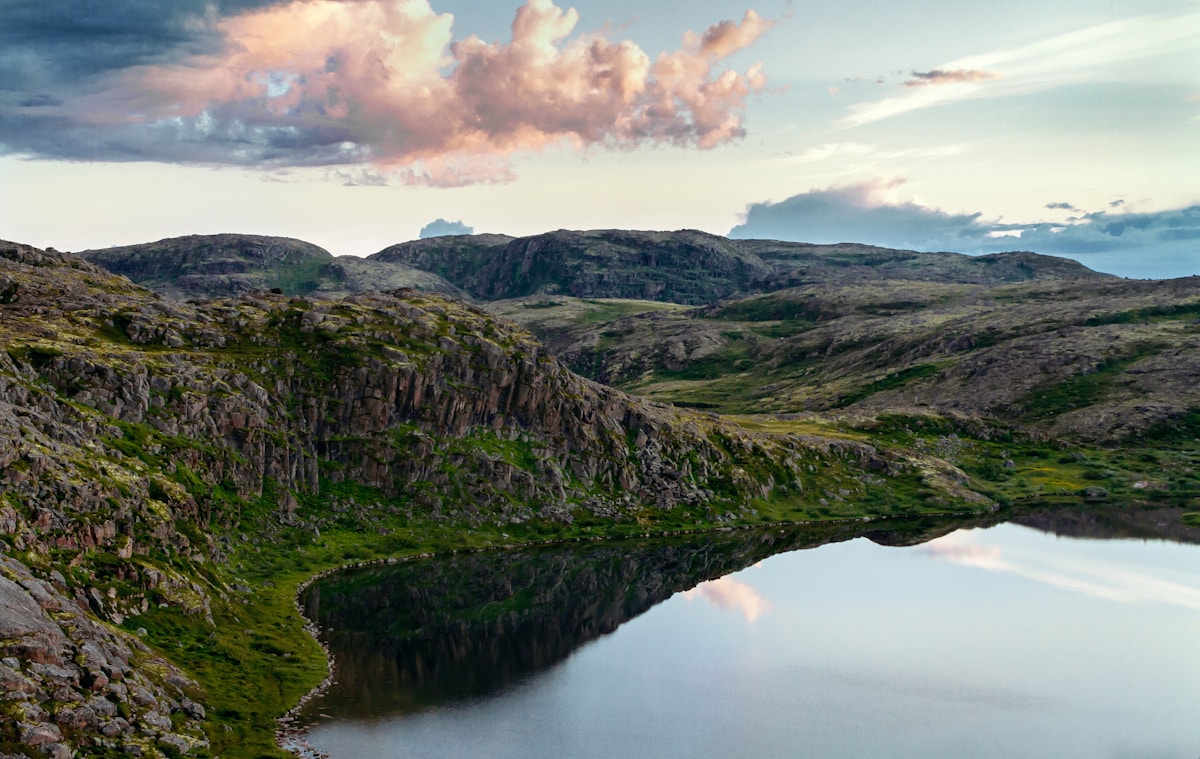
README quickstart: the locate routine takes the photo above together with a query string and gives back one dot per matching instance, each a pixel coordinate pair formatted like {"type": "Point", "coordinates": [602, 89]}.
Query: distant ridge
{"type": "Point", "coordinates": [685, 267]}
{"type": "Point", "coordinates": [692, 267]}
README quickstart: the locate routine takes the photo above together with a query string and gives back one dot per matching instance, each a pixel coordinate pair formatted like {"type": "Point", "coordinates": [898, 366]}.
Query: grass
{"type": "Point", "coordinates": [299, 279]}
{"type": "Point", "coordinates": [1084, 390]}
{"type": "Point", "coordinates": [892, 381]}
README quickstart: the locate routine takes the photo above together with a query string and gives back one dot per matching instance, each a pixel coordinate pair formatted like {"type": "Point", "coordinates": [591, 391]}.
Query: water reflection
{"type": "Point", "coordinates": [413, 635]}
{"type": "Point", "coordinates": [424, 634]}
{"type": "Point", "coordinates": [731, 595]}
{"type": "Point", "coordinates": [1107, 578]}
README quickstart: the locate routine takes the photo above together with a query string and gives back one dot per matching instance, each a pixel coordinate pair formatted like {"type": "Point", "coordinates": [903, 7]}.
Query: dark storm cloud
{"type": "Point", "coordinates": [1159, 244]}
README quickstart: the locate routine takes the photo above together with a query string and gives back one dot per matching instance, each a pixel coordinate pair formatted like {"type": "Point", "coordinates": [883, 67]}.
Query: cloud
{"type": "Point", "coordinates": [358, 177]}
{"type": "Point", "coordinates": [441, 228]}
{"type": "Point", "coordinates": [56, 44]}
{"type": "Point", "coordinates": [323, 82]}
{"type": "Point", "coordinates": [939, 77]}
{"type": "Point", "coordinates": [729, 594]}
{"type": "Point", "coordinates": [865, 153]}
{"type": "Point", "coordinates": [867, 213]}
{"type": "Point", "coordinates": [1157, 244]}
{"type": "Point", "coordinates": [1097, 53]}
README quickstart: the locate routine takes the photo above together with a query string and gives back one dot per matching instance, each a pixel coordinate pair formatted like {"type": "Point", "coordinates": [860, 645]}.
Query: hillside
{"type": "Point", "coordinates": [691, 267]}
{"type": "Point", "coordinates": [172, 471]}
{"type": "Point", "coordinates": [1085, 360]}
{"type": "Point", "coordinates": [686, 267]}
{"type": "Point", "coordinates": [213, 266]}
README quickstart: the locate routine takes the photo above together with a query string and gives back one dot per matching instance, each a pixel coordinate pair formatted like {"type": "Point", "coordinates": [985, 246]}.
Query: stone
{"type": "Point", "coordinates": [39, 734]}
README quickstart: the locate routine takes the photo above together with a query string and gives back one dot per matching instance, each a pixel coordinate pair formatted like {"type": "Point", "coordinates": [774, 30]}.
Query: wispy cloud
{"type": "Point", "coordinates": [1090, 54]}
{"type": "Point", "coordinates": [861, 152]}
{"type": "Point", "coordinates": [312, 82]}
{"type": "Point", "coordinates": [731, 595]}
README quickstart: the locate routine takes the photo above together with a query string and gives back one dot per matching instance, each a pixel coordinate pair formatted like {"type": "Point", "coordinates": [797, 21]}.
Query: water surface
{"type": "Point", "coordinates": [999, 642]}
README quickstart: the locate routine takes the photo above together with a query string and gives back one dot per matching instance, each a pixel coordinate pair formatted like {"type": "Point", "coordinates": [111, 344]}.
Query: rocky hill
{"type": "Point", "coordinates": [691, 267]}
{"type": "Point", "coordinates": [686, 267]}
{"type": "Point", "coordinates": [212, 266]}
{"type": "Point", "coordinates": [169, 470]}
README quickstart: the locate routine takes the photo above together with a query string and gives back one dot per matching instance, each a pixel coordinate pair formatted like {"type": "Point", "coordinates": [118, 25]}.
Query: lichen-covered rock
{"type": "Point", "coordinates": [54, 653]}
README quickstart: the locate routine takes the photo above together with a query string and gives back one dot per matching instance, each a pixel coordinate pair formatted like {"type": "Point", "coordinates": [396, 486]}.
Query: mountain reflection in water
{"type": "Point", "coordinates": [420, 634]}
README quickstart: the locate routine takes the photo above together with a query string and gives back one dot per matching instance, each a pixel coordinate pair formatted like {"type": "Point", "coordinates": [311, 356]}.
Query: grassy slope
{"type": "Point", "coordinates": [1049, 357]}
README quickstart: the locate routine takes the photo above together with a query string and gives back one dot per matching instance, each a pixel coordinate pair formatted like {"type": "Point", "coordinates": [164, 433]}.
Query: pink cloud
{"type": "Point", "coordinates": [729, 594]}
{"type": "Point", "coordinates": [385, 80]}
{"type": "Point", "coordinates": [955, 76]}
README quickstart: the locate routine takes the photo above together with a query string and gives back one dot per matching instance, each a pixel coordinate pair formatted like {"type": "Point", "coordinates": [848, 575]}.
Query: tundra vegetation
{"type": "Point", "coordinates": [174, 470]}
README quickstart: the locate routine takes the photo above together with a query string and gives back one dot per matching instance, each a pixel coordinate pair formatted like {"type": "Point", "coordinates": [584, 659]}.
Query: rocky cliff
{"type": "Point", "coordinates": [144, 442]}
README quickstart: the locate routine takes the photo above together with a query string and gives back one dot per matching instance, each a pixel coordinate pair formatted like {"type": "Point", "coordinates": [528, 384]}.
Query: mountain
{"type": "Point", "coordinates": [211, 266]}
{"type": "Point", "coordinates": [691, 267]}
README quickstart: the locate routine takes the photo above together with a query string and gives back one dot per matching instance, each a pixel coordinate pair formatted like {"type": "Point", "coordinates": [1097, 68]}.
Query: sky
{"type": "Point", "coordinates": [1067, 127]}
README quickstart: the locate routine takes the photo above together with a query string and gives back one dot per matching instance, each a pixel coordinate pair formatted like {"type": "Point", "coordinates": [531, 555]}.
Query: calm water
{"type": "Point", "coordinates": [998, 642]}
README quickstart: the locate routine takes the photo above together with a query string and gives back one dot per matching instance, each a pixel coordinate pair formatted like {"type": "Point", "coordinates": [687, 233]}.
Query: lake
{"type": "Point", "coordinates": [917, 640]}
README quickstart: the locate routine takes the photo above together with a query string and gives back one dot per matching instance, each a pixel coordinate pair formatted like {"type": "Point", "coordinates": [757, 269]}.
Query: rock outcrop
{"type": "Point", "coordinates": [70, 682]}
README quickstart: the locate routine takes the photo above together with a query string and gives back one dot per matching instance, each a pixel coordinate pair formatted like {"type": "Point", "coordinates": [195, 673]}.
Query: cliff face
{"type": "Point", "coordinates": [140, 441]}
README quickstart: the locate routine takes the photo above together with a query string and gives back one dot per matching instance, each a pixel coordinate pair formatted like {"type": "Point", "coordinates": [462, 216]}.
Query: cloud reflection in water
{"type": "Point", "coordinates": [1089, 576]}
{"type": "Point", "coordinates": [729, 594]}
